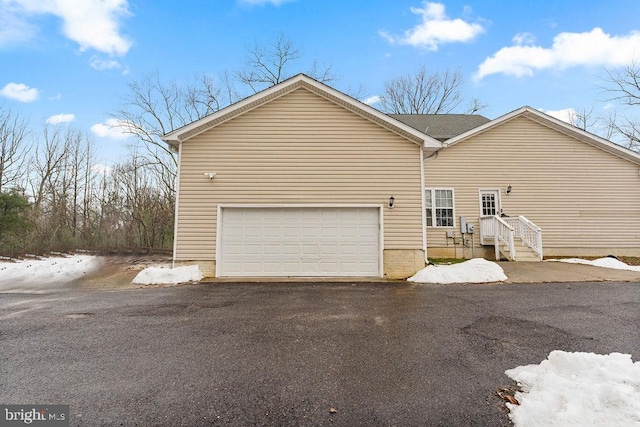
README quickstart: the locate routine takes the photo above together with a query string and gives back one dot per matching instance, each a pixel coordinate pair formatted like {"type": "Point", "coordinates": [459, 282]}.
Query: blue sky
{"type": "Point", "coordinates": [69, 61]}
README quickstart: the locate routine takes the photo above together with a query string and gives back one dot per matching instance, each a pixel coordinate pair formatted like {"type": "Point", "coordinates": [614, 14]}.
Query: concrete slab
{"type": "Point", "coordinates": [554, 271]}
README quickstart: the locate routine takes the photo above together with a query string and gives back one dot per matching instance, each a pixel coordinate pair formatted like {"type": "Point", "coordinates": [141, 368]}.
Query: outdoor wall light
{"type": "Point", "coordinates": [392, 201]}
{"type": "Point", "coordinates": [509, 188]}
{"type": "Point", "coordinates": [210, 175]}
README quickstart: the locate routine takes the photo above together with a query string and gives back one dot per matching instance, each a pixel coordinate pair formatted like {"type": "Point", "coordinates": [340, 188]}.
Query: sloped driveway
{"type": "Point", "coordinates": [287, 353]}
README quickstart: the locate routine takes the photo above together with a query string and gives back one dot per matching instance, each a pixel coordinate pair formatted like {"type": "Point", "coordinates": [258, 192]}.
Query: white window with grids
{"type": "Point", "coordinates": [439, 205]}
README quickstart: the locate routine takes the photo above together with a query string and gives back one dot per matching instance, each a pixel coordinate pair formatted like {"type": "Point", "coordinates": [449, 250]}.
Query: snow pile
{"type": "Point", "coordinates": [606, 262]}
{"type": "Point", "coordinates": [477, 270]}
{"type": "Point", "coordinates": [168, 276]}
{"type": "Point", "coordinates": [580, 389]}
{"type": "Point", "coordinates": [37, 273]}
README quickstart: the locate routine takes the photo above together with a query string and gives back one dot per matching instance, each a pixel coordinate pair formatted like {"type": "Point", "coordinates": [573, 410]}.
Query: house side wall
{"type": "Point", "coordinates": [586, 201]}
{"type": "Point", "coordinates": [299, 149]}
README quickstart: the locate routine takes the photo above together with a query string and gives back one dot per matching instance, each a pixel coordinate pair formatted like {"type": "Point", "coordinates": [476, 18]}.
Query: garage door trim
{"type": "Point", "coordinates": [220, 219]}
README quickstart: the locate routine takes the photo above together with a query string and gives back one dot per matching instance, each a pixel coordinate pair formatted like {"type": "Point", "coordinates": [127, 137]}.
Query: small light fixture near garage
{"type": "Point", "coordinates": [392, 201]}
{"type": "Point", "coordinates": [509, 188]}
{"type": "Point", "coordinates": [210, 175]}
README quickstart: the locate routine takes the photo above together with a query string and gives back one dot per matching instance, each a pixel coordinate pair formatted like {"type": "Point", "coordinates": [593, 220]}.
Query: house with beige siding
{"type": "Point", "coordinates": [301, 180]}
{"type": "Point", "coordinates": [563, 191]}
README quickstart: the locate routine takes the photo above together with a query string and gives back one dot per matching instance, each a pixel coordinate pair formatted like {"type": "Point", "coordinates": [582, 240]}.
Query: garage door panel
{"type": "Point", "coordinates": [299, 242]}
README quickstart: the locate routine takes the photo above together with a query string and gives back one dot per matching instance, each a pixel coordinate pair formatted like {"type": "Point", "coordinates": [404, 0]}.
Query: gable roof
{"type": "Point", "coordinates": [442, 126]}
{"type": "Point", "coordinates": [553, 123]}
{"type": "Point", "coordinates": [184, 133]}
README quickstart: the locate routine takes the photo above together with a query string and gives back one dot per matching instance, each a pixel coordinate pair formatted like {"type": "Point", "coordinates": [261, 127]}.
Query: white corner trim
{"type": "Point", "coordinates": [176, 210]}
{"type": "Point", "coordinates": [218, 239]}
{"type": "Point", "coordinates": [424, 206]}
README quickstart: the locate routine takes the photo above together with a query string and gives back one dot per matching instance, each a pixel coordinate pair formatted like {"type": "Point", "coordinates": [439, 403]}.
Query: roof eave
{"type": "Point", "coordinates": [555, 123]}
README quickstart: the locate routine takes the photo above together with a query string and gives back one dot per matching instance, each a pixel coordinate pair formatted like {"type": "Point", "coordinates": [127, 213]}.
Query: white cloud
{"type": "Point", "coordinates": [567, 115]}
{"type": "Point", "coordinates": [14, 29]}
{"type": "Point", "coordinates": [104, 64]}
{"type": "Point", "coordinates": [19, 92]}
{"type": "Point", "coordinates": [372, 100]}
{"type": "Point", "coordinates": [594, 48]}
{"type": "Point", "coordinates": [263, 2]}
{"type": "Point", "coordinates": [112, 128]}
{"type": "Point", "coordinates": [436, 29]}
{"type": "Point", "coordinates": [93, 24]}
{"type": "Point", "coordinates": [60, 118]}
{"type": "Point", "coordinates": [521, 39]}
{"type": "Point", "coordinates": [101, 64]}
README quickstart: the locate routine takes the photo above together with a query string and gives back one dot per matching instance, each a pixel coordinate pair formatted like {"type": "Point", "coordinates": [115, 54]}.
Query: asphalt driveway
{"type": "Point", "coordinates": [286, 353]}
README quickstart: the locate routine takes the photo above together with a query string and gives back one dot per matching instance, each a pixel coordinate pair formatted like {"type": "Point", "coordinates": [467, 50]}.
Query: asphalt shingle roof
{"type": "Point", "coordinates": [441, 126]}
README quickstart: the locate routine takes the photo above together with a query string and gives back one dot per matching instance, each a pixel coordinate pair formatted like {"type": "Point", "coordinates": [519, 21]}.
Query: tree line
{"type": "Point", "coordinates": [55, 196]}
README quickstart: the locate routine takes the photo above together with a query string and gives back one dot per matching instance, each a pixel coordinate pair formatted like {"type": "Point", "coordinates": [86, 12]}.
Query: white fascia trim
{"type": "Point", "coordinates": [586, 137]}
{"type": "Point", "coordinates": [300, 205]}
{"type": "Point", "coordinates": [176, 210]}
{"type": "Point", "coordinates": [589, 138]}
{"type": "Point", "coordinates": [428, 142]}
{"type": "Point", "coordinates": [174, 136]}
{"type": "Point", "coordinates": [483, 127]}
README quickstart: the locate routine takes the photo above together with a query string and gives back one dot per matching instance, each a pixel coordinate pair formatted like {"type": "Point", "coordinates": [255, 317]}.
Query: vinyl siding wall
{"type": "Point", "coordinates": [297, 149]}
{"type": "Point", "coordinates": [586, 201]}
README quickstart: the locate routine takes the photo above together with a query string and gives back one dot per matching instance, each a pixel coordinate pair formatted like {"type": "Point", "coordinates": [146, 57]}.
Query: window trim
{"type": "Point", "coordinates": [433, 207]}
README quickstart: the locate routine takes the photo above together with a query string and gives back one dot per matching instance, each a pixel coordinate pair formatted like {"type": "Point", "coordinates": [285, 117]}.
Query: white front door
{"type": "Point", "coordinates": [490, 203]}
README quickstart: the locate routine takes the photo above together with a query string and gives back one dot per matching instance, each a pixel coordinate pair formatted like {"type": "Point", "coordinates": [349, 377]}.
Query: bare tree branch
{"type": "Point", "coordinates": [270, 64]}
{"type": "Point", "coordinates": [625, 84]}
{"type": "Point", "coordinates": [13, 149]}
{"type": "Point", "coordinates": [422, 93]}
{"type": "Point", "coordinates": [153, 108]}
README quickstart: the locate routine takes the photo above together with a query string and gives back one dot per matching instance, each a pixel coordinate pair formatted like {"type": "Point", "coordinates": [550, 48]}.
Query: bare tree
{"type": "Point", "coordinates": [13, 149]}
{"type": "Point", "coordinates": [624, 85]}
{"type": "Point", "coordinates": [269, 64]}
{"type": "Point", "coordinates": [423, 93]}
{"type": "Point", "coordinates": [583, 119]}
{"type": "Point", "coordinates": [47, 165]}
{"type": "Point", "coordinates": [153, 108]}
{"type": "Point", "coordinates": [625, 130]}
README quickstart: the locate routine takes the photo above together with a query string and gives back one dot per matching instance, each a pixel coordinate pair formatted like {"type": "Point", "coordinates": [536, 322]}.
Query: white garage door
{"type": "Point", "coordinates": [299, 241]}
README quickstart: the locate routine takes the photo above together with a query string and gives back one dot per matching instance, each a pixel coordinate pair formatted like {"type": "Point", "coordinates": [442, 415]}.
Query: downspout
{"type": "Point", "coordinates": [424, 205]}
{"type": "Point", "coordinates": [175, 215]}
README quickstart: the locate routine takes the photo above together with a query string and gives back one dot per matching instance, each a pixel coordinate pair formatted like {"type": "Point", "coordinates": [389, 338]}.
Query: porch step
{"type": "Point", "coordinates": [523, 252]}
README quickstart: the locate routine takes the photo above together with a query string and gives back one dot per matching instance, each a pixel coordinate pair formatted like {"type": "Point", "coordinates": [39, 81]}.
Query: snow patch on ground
{"type": "Point", "coordinates": [165, 275]}
{"type": "Point", "coordinates": [606, 262]}
{"type": "Point", "coordinates": [34, 275]}
{"type": "Point", "coordinates": [477, 270]}
{"type": "Point", "coordinates": [578, 389]}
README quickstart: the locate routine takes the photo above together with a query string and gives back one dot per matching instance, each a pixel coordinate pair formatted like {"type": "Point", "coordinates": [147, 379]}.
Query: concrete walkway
{"type": "Point", "coordinates": [553, 271]}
